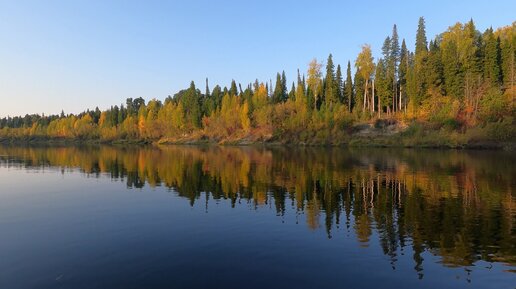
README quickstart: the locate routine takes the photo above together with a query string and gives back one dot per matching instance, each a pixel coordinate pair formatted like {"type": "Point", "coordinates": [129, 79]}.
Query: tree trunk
{"type": "Point", "coordinates": [401, 105]}
{"type": "Point", "coordinates": [349, 102]}
{"type": "Point", "coordinates": [365, 93]}
{"type": "Point", "coordinates": [372, 99]}
{"type": "Point", "coordinates": [393, 104]}
{"type": "Point", "coordinates": [395, 94]}
{"type": "Point", "coordinates": [379, 108]}
{"type": "Point", "coordinates": [512, 78]}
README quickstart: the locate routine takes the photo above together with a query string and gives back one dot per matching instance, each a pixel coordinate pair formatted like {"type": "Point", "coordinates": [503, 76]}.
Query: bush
{"type": "Point", "coordinates": [451, 124]}
{"type": "Point", "coordinates": [414, 129]}
{"type": "Point", "coordinates": [493, 106]}
{"type": "Point", "coordinates": [501, 131]}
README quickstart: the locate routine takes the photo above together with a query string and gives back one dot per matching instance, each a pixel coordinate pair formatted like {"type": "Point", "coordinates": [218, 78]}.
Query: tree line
{"type": "Point", "coordinates": [461, 79]}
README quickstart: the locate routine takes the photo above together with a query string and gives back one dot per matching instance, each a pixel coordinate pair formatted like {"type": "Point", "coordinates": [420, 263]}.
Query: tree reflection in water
{"type": "Point", "coordinates": [455, 204]}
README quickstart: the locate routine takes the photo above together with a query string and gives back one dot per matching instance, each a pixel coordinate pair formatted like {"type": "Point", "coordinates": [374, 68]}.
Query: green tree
{"type": "Point", "coordinates": [492, 58]}
{"type": "Point", "coordinates": [348, 88]}
{"type": "Point", "coordinates": [292, 93]}
{"type": "Point", "coordinates": [452, 67]}
{"type": "Point", "coordinates": [233, 90]}
{"type": "Point", "coordinates": [339, 84]}
{"type": "Point", "coordinates": [434, 66]}
{"type": "Point", "coordinates": [421, 41]}
{"type": "Point", "coordinates": [331, 94]}
{"type": "Point", "coordinates": [393, 66]}
{"type": "Point", "coordinates": [279, 90]}
{"type": "Point", "coordinates": [191, 105]}
{"type": "Point", "coordinates": [507, 37]}
{"type": "Point", "coordinates": [284, 96]}
{"type": "Point", "coordinates": [388, 66]}
{"type": "Point", "coordinates": [402, 74]}
{"type": "Point", "coordinates": [382, 84]}
{"type": "Point", "coordinates": [420, 58]}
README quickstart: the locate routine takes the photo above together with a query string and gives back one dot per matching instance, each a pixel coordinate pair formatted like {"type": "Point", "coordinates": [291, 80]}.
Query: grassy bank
{"type": "Point", "coordinates": [492, 136]}
{"type": "Point", "coordinates": [500, 135]}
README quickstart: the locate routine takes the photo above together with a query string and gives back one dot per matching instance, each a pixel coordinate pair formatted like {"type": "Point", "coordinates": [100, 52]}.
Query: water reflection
{"type": "Point", "coordinates": [457, 205]}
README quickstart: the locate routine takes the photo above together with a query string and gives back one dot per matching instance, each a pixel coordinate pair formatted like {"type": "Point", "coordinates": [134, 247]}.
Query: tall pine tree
{"type": "Point", "coordinates": [339, 85]}
{"type": "Point", "coordinates": [330, 93]}
{"type": "Point", "coordinates": [492, 58]}
{"type": "Point", "coordinates": [420, 61]}
{"type": "Point", "coordinates": [348, 88]}
{"type": "Point", "coordinates": [393, 63]}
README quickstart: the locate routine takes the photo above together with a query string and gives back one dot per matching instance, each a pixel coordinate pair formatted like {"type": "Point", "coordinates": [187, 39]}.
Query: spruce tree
{"type": "Point", "coordinates": [492, 58]}
{"type": "Point", "coordinates": [388, 65]}
{"type": "Point", "coordinates": [278, 89]}
{"type": "Point", "coordinates": [339, 85]}
{"type": "Point", "coordinates": [394, 59]}
{"type": "Point", "coordinates": [382, 84]}
{"type": "Point", "coordinates": [434, 67]}
{"type": "Point", "coordinates": [421, 42]}
{"type": "Point", "coordinates": [207, 91]}
{"type": "Point", "coordinates": [292, 93]}
{"type": "Point", "coordinates": [233, 90]}
{"type": "Point", "coordinates": [402, 73]}
{"type": "Point", "coordinates": [191, 106]}
{"type": "Point", "coordinates": [452, 69]}
{"type": "Point", "coordinates": [472, 61]}
{"type": "Point", "coordinates": [420, 60]}
{"type": "Point", "coordinates": [348, 88]}
{"type": "Point", "coordinates": [508, 57]}
{"type": "Point", "coordinates": [284, 94]}
{"type": "Point", "coordinates": [330, 92]}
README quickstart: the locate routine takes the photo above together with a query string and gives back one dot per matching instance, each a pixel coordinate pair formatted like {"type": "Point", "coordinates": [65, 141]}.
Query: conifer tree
{"type": "Point", "coordinates": [452, 68]}
{"type": "Point", "coordinates": [284, 94]}
{"type": "Point", "coordinates": [492, 58]}
{"type": "Point", "coordinates": [330, 93]}
{"type": "Point", "coordinates": [388, 64]}
{"type": "Point", "coordinates": [382, 84]}
{"type": "Point", "coordinates": [393, 63]}
{"type": "Point", "coordinates": [348, 89]}
{"type": "Point", "coordinates": [207, 91]}
{"type": "Point", "coordinates": [421, 42]}
{"type": "Point", "coordinates": [339, 84]}
{"type": "Point", "coordinates": [278, 89]}
{"type": "Point", "coordinates": [507, 37]}
{"type": "Point", "coordinates": [191, 106]}
{"type": "Point", "coordinates": [233, 90]}
{"type": "Point", "coordinates": [402, 74]}
{"type": "Point", "coordinates": [292, 93]}
{"type": "Point", "coordinates": [434, 74]}
{"type": "Point", "coordinates": [420, 61]}
{"type": "Point", "coordinates": [300, 89]}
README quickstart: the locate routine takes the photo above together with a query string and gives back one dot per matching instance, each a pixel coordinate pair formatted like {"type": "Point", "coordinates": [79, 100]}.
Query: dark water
{"type": "Point", "coordinates": [228, 217]}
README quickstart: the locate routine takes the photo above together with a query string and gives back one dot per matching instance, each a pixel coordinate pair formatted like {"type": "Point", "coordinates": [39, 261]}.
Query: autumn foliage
{"type": "Point", "coordinates": [462, 82]}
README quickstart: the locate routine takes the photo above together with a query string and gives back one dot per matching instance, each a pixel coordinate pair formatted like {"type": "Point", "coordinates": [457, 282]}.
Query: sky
{"type": "Point", "coordinates": [75, 55]}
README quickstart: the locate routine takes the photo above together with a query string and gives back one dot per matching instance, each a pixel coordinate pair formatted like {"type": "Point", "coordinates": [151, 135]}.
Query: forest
{"type": "Point", "coordinates": [454, 90]}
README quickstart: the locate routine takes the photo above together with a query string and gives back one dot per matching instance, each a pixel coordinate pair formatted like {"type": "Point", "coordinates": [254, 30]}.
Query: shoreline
{"type": "Point", "coordinates": [357, 142]}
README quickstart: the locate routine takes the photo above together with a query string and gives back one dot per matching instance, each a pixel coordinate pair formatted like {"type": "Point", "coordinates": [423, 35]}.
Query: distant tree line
{"type": "Point", "coordinates": [461, 79]}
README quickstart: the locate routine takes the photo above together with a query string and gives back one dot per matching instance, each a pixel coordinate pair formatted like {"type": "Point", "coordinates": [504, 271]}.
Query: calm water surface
{"type": "Point", "coordinates": [229, 217]}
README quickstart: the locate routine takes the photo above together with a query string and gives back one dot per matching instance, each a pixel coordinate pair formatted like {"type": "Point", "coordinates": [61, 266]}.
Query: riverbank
{"type": "Point", "coordinates": [379, 134]}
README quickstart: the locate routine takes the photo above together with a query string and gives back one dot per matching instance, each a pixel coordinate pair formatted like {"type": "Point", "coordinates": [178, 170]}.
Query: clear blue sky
{"type": "Point", "coordinates": [74, 55]}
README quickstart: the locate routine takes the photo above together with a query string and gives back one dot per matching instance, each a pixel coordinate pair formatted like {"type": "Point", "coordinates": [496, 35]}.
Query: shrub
{"type": "Point", "coordinates": [502, 130]}
{"type": "Point", "coordinates": [493, 106]}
